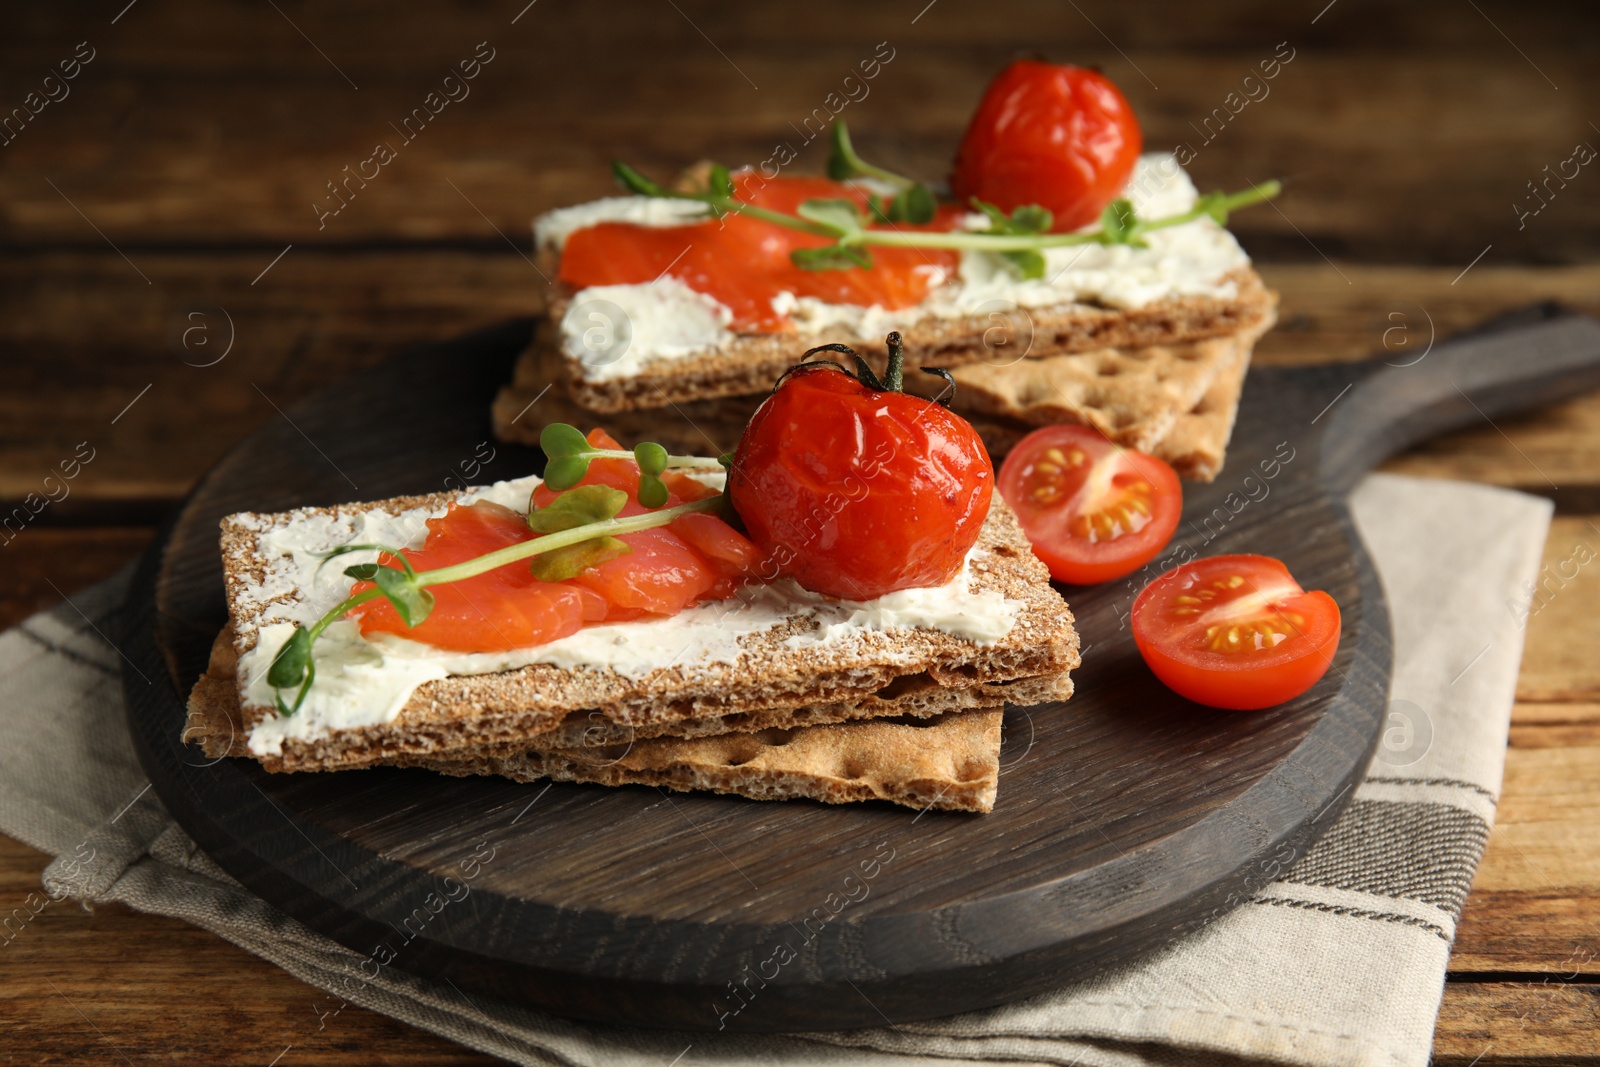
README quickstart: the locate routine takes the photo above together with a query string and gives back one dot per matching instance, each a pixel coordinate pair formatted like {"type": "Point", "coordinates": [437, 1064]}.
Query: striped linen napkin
{"type": "Point", "coordinates": [1339, 961]}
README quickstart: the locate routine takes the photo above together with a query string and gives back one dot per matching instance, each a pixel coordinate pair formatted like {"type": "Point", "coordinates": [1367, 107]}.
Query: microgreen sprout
{"type": "Point", "coordinates": [912, 201]}
{"type": "Point", "coordinates": [1020, 237]}
{"type": "Point", "coordinates": [579, 529]}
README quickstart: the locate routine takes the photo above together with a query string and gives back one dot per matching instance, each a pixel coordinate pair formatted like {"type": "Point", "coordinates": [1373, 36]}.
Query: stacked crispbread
{"type": "Point", "coordinates": [908, 714]}
{"type": "Point", "coordinates": [1174, 401]}
{"type": "Point", "coordinates": [1163, 375]}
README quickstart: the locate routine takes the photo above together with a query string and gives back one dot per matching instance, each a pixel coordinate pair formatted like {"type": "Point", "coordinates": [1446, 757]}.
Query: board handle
{"type": "Point", "coordinates": [1529, 358]}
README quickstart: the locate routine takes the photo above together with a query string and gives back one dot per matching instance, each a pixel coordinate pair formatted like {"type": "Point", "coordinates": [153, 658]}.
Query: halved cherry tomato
{"type": "Point", "coordinates": [1235, 632]}
{"type": "Point", "coordinates": [1061, 137]}
{"type": "Point", "coordinates": [1093, 510]}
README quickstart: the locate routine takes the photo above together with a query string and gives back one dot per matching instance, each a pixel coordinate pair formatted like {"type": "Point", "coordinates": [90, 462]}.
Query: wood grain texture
{"type": "Point", "coordinates": [115, 986]}
{"type": "Point", "coordinates": [1532, 1024]}
{"type": "Point", "coordinates": [1535, 902]}
{"type": "Point", "coordinates": [1560, 663]}
{"type": "Point", "coordinates": [192, 125]}
{"type": "Point", "coordinates": [44, 564]}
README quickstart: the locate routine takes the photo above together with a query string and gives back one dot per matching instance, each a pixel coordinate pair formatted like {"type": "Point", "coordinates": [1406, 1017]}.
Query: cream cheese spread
{"type": "Point", "coordinates": [613, 330]}
{"type": "Point", "coordinates": [1188, 260]}
{"type": "Point", "coordinates": [553, 227]}
{"type": "Point", "coordinates": [364, 681]}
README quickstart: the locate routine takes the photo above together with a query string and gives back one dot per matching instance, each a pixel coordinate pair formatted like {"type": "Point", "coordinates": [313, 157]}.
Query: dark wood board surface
{"type": "Point", "coordinates": [1125, 816]}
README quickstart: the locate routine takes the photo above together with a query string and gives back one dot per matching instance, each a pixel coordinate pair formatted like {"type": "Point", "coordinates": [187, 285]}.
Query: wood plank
{"type": "Point", "coordinates": [1491, 1024]}
{"type": "Point", "coordinates": [1550, 793]}
{"type": "Point", "coordinates": [82, 337]}
{"type": "Point", "coordinates": [312, 321]}
{"type": "Point", "coordinates": [227, 126]}
{"type": "Point", "coordinates": [43, 564]}
{"type": "Point", "coordinates": [84, 987]}
{"type": "Point", "coordinates": [1563, 629]}
{"type": "Point", "coordinates": [1535, 902]}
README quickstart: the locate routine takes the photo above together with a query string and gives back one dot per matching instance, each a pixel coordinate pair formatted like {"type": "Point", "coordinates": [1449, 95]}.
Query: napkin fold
{"type": "Point", "coordinates": [1340, 961]}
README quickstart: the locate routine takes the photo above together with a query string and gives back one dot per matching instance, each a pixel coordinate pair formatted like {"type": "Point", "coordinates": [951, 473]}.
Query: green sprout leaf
{"type": "Point", "coordinates": [566, 472]}
{"type": "Point", "coordinates": [1031, 218]}
{"type": "Point", "coordinates": [830, 257]}
{"type": "Point", "coordinates": [1119, 225]}
{"type": "Point", "coordinates": [568, 453]}
{"type": "Point", "coordinates": [720, 181]}
{"type": "Point", "coordinates": [652, 491]}
{"type": "Point", "coordinates": [1025, 220]}
{"type": "Point", "coordinates": [560, 439]}
{"type": "Point", "coordinates": [843, 163]}
{"type": "Point", "coordinates": [841, 216]}
{"type": "Point", "coordinates": [293, 660]}
{"type": "Point", "coordinates": [362, 572]}
{"type": "Point", "coordinates": [1029, 263]}
{"type": "Point", "coordinates": [916, 205]}
{"type": "Point", "coordinates": [637, 183]}
{"type": "Point", "coordinates": [652, 460]}
{"type": "Point", "coordinates": [569, 562]}
{"type": "Point", "coordinates": [411, 602]}
{"type": "Point", "coordinates": [578, 507]}
{"type": "Point", "coordinates": [345, 550]}
{"type": "Point", "coordinates": [651, 457]}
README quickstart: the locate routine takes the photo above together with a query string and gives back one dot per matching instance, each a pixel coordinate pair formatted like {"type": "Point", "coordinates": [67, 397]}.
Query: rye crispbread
{"type": "Point", "coordinates": [773, 683]}
{"type": "Point", "coordinates": [948, 761]}
{"type": "Point", "coordinates": [1134, 397]}
{"type": "Point", "coordinates": [951, 762]}
{"type": "Point", "coordinates": [215, 722]}
{"type": "Point", "coordinates": [1194, 440]}
{"type": "Point", "coordinates": [1195, 445]}
{"type": "Point", "coordinates": [752, 362]}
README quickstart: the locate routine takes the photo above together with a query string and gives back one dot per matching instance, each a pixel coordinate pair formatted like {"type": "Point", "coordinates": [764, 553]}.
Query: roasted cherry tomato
{"type": "Point", "coordinates": [1061, 137]}
{"type": "Point", "coordinates": [856, 491]}
{"type": "Point", "coordinates": [1093, 510]}
{"type": "Point", "coordinates": [1235, 632]}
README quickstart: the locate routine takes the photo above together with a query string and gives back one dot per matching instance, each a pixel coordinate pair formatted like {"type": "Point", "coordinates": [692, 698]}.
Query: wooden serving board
{"type": "Point", "coordinates": [1126, 817]}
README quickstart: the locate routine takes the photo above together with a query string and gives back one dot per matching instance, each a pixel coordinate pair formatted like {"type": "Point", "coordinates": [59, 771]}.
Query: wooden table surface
{"type": "Point", "coordinates": [167, 284]}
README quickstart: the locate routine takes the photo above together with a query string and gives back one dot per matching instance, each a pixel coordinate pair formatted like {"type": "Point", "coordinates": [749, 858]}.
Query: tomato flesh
{"type": "Point", "coordinates": [696, 557]}
{"type": "Point", "coordinates": [1093, 510]}
{"type": "Point", "coordinates": [1235, 632]}
{"type": "Point", "coordinates": [1058, 136]}
{"type": "Point", "coordinates": [744, 262]}
{"type": "Point", "coordinates": [855, 493]}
